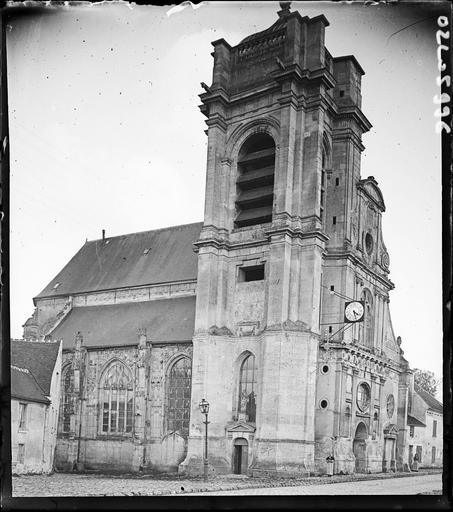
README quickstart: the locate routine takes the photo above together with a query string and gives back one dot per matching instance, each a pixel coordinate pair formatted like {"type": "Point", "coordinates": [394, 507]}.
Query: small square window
{"type": "Point", "coordinates": [332, 287]}
{"type": "Point", "coordinates": [252, 273]}
{"type": "Point", "coordinates": [341, 94]}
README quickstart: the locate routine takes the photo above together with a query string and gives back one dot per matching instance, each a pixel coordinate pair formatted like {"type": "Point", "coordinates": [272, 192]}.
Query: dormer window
{"type": "Point", "coordinates": [255, 181]}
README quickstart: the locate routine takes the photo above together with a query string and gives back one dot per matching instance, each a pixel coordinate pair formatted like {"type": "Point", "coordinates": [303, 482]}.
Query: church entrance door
{"type": "Point", "coordinates": [359, 448]}
{"type": "Point", "coordinates": [240, 456]}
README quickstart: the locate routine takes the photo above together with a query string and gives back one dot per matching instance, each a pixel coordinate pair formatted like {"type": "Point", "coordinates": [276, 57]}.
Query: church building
{"type": "Point", "coordinates": [274, 309]}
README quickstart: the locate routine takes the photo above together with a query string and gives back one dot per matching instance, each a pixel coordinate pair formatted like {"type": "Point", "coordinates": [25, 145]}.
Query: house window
{"type": "Point", "coordinates": [434, 428]}
{"type": "Point", "coordinates": [363, 397]}
{"type": "Point", "coordinates": [247, 388]}
{"type": "Point", "coordinates": [20, 453]}
{"type": "Point", "coordinates": [433, 455]}
{"type": "Point", "coordinates": [116, 392]}
{"type": "Point", "coordinates": [22, 416]}
{"type": "Point", "coordinates": [255, 182]}
{"type": "Point", "coordinates": [411, 431]}
{"type": "Point", "coordinates": [178, 396]}
{"type": "Point", "coordinates": [68, 388]}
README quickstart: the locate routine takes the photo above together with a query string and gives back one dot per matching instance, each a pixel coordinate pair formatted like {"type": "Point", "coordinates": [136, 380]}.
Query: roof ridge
{"type": "Point", "coordinates": [142, 232]}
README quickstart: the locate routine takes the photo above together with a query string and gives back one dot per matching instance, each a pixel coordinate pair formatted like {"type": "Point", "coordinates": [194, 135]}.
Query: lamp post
{"type": "Point", "coordinates": [204, 409]}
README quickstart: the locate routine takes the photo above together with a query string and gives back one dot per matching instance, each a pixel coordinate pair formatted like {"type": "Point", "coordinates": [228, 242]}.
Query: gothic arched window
{"type": "Point", "coordinates": [116, 398]}
{"type": "Point", "coordinates": [247, 388]}
{"type": "Point", "coordinates": [67, 399]}
{"type": "Point", "coordinates": [366, 327]}
{"type": "Point", "coordinates": [255, 181]}
{"type": "Point", "coordinates": [178, 396]}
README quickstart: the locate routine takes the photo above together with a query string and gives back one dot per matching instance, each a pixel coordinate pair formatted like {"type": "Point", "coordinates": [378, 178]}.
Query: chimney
{"type": "Point", "coordinates": [103, 234]}
{"type": "Point", "coordinates": [141, 337]}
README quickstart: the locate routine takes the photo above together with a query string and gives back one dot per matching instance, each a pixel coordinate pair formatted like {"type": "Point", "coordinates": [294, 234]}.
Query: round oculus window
{"type": "Point", "coordinates": [363, 397]}
{"type": "Point", "coordinates": [324, 403]}
{"type": "Point", "coordinates": [369, 243]}
{"type": "Point", "coordinates": [325, 369]}
{"type": "Point", "coordinates": [390, 405]}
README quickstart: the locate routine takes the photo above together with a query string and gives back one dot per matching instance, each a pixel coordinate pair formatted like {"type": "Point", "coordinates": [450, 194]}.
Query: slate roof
{"type": "Point", "coordinates": [150, 257]}
{"type": "Point", "coordinates": [165, 321]}
{"type": "Point", "coordinates": [430, 401]}
{"type": "Point", "coordinates": [39, 359]}
{"type": "Point", "coordinates": [25, 387]}
{"type": "Point", "coordinates": [414, 422]}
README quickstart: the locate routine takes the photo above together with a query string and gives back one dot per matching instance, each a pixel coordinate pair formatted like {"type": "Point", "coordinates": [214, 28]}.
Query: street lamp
{"type": "Point", "coordinates": [204, 409]}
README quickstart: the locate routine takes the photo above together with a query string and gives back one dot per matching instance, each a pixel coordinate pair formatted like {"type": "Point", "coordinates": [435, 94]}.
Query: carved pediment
{"type": "Point", "coordinates": [371, 190]}
{"type": "Point", "coordinates": [241, 427]}
{"type": "Point", "coordinates": [391, 430]}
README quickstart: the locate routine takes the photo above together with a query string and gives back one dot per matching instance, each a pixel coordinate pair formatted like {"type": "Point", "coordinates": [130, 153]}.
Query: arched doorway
{"type": "Point", "coordinates": [359, 447]}
{"type": "Point", "coordinates": [240, 456]}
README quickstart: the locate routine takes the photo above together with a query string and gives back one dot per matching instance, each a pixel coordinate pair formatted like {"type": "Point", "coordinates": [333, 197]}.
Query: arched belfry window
{"type": "Point", "coordinates": [116, 398]}
{"type": "Point", "coordinates": [247, 389]}
{"type": "Point", "coordinates": [67, 399]}
{"type": "Point", "coordinates": [366, 327]}
{"type": "Point", "coordinates": [255, 182]}
{"type": "Point", "coordinates": [179, 382]}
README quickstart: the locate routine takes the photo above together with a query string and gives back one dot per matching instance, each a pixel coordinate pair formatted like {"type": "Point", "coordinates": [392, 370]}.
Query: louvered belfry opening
{"type": "Point", "coordinates": [255, 183]}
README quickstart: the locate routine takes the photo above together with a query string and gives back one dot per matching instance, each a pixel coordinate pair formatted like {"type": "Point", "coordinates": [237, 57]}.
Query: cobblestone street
{"type": "Point", "coordinates": [67, 484]}
{"type": "Point", "coordinates": [409, 485]}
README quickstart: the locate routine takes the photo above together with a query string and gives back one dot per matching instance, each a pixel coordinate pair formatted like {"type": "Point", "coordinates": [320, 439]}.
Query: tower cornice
{"type": "Point", "coordinates": [357, 261]}
{"type": "Point", "coordinates": [355, 113]}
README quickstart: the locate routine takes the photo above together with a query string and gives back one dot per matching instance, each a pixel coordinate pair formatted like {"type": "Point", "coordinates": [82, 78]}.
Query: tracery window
{"type": "Point", "coordinates": [247, 388]}
{"type": "Point", "coordinates": [178, 396]}
{"type": "Point", "coordinates": [67, 401]}
{"type": "Point", "coordinates": [116, 398]}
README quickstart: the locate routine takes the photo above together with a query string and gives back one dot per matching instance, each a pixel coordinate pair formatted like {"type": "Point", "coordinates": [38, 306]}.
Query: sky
{"type": "Point", "coordinates": [106, 133]}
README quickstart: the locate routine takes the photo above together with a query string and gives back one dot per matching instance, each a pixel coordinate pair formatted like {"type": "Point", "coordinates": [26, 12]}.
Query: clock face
{"type": "Point", "coordinates": [353, 311]}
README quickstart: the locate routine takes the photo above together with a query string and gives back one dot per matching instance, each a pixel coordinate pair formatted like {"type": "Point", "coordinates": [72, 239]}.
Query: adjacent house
{"type": "Point", "coordinates": [425, 430]}
{"type": "Point", "coordinates": [35, 395]}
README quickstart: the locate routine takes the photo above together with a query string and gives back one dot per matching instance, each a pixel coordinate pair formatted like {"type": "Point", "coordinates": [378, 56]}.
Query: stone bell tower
{"type": "Point", "coordinates": [269, 114]}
